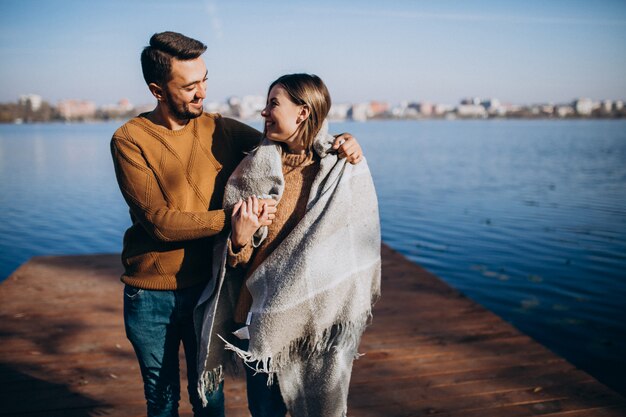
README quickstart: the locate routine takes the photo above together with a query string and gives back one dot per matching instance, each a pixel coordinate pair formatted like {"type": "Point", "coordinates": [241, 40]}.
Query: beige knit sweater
{"type": "Point", "coordinates": [299, 171]}
{"type": "Point", "coordinates": [173, 182]}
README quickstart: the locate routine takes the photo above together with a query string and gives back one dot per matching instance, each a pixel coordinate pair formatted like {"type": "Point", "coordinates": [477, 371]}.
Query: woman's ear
{"type": "Point", "coordinates": [156, 91]}
{"type": "Point", "coordinates": [303, 114]}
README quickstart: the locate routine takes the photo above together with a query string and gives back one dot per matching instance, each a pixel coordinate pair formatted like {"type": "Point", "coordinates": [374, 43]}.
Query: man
{"type": "Point", "coordinates": [172, 165]}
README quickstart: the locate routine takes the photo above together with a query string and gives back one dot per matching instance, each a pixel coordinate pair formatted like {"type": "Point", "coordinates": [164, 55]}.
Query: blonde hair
{"type": "Point", "coordinates": [308, 90]}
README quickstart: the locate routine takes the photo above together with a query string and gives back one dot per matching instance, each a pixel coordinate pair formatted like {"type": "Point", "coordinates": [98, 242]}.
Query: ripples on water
{"type": "Point", "coordinates": [526, 217]}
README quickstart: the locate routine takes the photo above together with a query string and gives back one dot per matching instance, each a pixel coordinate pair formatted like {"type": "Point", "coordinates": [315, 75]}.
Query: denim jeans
{"type": "Point", "coordinates": [263, 401]}
{"type": "Point", "coordinates": [156, 322]}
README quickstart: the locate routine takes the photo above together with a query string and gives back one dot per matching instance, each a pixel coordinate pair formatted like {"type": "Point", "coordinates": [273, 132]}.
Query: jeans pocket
{"type": "Point", "coordinates": [131, 293]}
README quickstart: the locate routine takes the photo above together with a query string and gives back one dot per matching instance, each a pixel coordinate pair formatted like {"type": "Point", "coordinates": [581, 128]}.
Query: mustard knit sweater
{"type": "Point", "coordinates": [173, 182]}
{"type": "Point", "coordinates": [299, 171]}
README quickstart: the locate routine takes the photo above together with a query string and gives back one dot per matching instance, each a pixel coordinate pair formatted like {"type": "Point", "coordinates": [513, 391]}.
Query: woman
{"type": "Point", "coordinates": [310, 279]}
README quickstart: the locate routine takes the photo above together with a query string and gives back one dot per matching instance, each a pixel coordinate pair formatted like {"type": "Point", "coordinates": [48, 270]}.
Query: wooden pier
{"type": "Point", "coordinates": [429, 352]}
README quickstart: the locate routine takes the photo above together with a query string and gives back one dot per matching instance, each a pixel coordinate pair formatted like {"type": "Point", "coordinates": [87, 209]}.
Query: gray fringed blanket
{"type": "Point", "coordinates": [315, 292]}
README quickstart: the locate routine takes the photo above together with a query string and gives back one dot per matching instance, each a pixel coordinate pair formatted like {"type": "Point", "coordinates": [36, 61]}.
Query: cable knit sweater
{"type": "Point", "coordinates": [299, 171]}
{"type": "Point", "coordinates": [173, 182]}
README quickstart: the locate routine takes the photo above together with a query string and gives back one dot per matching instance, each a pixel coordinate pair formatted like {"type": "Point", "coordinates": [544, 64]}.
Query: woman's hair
{"type": "Point", "coordinates": [308, 90]}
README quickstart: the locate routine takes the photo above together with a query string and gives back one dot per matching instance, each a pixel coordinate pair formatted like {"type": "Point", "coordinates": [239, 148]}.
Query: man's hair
{"type": "Point", "coordinates": [156, 59]}
{"type": "Point", "coordinates": [308, 90]}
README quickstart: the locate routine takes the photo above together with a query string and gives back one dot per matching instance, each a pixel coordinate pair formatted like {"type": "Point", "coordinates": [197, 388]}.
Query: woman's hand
{"type": "Point", "coordinates": [269, 206]}
{"type": "Point", "coordinates": [248, 215]}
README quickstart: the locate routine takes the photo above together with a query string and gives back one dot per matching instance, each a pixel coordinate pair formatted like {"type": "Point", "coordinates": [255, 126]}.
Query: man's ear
{"type": "Point", "coordinates": [156, 91]}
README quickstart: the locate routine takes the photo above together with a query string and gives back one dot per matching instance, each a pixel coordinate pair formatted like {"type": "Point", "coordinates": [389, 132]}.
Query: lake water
{"type": "Point", "coordinates": [526, 217]}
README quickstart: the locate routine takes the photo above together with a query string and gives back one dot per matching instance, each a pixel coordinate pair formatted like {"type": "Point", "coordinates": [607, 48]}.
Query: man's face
{"type": "Point", "coordinates": [186, 89]}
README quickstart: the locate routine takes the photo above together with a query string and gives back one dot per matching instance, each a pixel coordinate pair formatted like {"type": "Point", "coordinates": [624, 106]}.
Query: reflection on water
{"type": "Point", "coordinates": [526, 217]}
{"type": "Point", "coordinates": [58, 194]}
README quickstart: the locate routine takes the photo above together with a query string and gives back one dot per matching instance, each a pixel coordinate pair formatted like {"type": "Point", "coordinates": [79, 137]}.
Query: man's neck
{"type": "Point", "coordinates": [162, 117]}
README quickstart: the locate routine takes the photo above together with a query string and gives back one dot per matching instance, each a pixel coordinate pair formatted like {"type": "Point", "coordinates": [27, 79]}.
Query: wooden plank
{"type": "Point", "coordinates": [429, 351]}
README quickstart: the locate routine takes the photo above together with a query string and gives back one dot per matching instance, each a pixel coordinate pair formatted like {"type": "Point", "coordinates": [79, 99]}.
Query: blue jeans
{"type": "Point", "coordinates": [156, 322]}
{"type": "Point", "coordinates": [263, 401]}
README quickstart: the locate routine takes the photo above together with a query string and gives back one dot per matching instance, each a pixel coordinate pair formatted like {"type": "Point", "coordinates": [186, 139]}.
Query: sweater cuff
{"type": "Point", "coordinates": [240, 257]}
{"type": "Point", "coordinates": [220, 220]}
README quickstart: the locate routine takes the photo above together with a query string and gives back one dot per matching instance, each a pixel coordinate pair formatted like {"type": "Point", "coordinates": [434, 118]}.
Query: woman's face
{"type": "Point", "coordinates": [282, 116]}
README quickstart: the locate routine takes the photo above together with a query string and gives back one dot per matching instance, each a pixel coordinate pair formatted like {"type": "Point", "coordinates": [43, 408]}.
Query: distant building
{"type": "Point", "coordinates": [565, 111]}
{"type": "Point", "coordinates": [378, 108]}
{"type": "Point", "coordinates": [76, 109]}
{"type": "Point", "coordinates": [216, 107]}
{"type": "Point", "coordinates": [546, 109]}
{"type": "Point", "coordinates": [33, 101]}
{"type": "Point", "coordinates": [425, 109]}
{"type": "Point", "coordinates": [583, 106]}
{"type": "Point", "coordinates": [606, 106]}
{"type": "Point", "coordinates": [416, 110]}
{"type": "Point", "coordinates": [143, 108]}
{"type": "Point", "coordinates": [247, 107]}
{"type": "Point", "coordinates": [493, 106]}
{"type": "Point", "coordinates": [234, 104]}
{"type": "Point", "coordinates": [512, 108]}
{"type": "Point", "coordinates": [339, 111]}
{"type": "Point", "coordinates": [252, 106]}
{"type": "Point", "coordinates": [405, 110]}
{"type": "Point", "coordinates": [471, 110]}
{"type": "Point", "coordinates": [359, 112]}
{"type": "Point", "coordinates": [471, 101]}
{"type": "Point", "coordinates": [121, 109]}
{"type": "Point", "coordinates": [124, 105]}
{"type": "Point", "coordinates": [442, 109]}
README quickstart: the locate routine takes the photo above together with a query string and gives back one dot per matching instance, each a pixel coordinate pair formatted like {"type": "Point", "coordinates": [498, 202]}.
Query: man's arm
{"type": "Point", "coordinates": [245, 138]}
{"type": "Point", "coordinates": [348, 147]}
{"type": "Point", "coordinates": [147, 203]}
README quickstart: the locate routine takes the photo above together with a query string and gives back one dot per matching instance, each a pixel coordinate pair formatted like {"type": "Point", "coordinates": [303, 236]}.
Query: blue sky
{"type": "Point", "coordinates": [517, 51]}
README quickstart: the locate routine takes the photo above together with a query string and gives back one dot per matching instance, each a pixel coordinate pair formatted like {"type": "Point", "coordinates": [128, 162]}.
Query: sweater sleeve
{"type": "Point", "coordinates": [245, 138]}
{"type": "Point", "coordinates": [242, 257]}
{"type": "Point", "coordinates": [140, 189]}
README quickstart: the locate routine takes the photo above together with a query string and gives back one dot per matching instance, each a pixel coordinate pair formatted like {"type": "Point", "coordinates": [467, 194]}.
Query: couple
{"type": "Point", "coordinates": [286, 287]}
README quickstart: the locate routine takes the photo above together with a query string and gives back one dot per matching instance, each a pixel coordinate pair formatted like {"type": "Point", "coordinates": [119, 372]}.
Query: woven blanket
{"type": "Point", "coordinates": [314, 293]}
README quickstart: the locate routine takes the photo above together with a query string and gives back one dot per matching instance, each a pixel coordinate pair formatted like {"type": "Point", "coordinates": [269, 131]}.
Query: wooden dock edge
{"type": "Point", "coordinates": [430, 351]}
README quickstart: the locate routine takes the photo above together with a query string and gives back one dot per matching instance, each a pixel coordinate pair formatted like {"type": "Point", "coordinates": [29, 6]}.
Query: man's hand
{"type": "Point", "coordinates": [348, 147]}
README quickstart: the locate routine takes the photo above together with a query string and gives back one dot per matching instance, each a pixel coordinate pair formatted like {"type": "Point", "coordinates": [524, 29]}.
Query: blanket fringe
{"type": "Point", "coordinates": [339, 336]}
{"type": "Point", "coordinates": [209, 381]}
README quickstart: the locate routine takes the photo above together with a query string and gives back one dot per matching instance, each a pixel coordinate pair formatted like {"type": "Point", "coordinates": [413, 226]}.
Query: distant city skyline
{"type": "Point", "coordinates": [33, 109]}
{"type": "Point", "coordinates": [522, 52]}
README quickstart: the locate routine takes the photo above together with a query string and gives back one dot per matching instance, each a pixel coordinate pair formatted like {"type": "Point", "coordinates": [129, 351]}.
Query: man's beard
{"type": "Point", "coordinates": [181, 112]}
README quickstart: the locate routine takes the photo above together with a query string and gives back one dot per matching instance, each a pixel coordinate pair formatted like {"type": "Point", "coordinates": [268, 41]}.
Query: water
{"type": "Point", "coordinates": [526, 217]}
{"type": "Point", "coordinates": [58, 193]}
